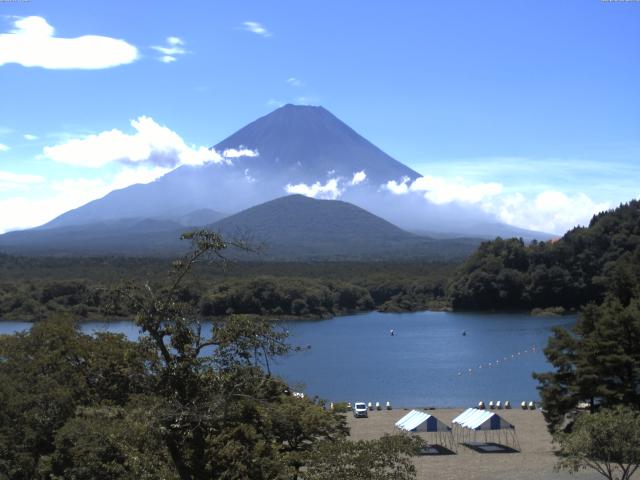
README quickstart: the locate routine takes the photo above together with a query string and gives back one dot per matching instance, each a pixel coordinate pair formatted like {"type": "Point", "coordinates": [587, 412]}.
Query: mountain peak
{"type": "Point", "coordinates": [303, 143]}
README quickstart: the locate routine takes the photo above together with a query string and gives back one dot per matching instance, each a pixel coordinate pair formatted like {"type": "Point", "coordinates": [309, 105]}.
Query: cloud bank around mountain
{"type": "Point", "coordinates": [549, 211]}
{"type": "Point", "coordinates": [32, 44]}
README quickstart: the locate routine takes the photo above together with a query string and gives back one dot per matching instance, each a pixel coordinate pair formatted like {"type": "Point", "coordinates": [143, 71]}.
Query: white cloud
{"type": "Point", "coordinates": [30, 137]}
{"type": "Point", "coordinates": [3, 147]}
{"type": "Point", "coordinates": [239, 152]}
{"type": "Point", "coordinates": [329, 190]}
{"type": "Point", "coordinates": [358, 177]}
{"type": "Point", "coordinates": [12, 181]}
{"type": "Point", "coordinates": [295, 82]}
{"type": "Point", "coordinates": [399, 188]}
{"type": "Point", "coordinates": [441, 190]}
{"type": "Point", "coordinates": [548, 211]}
{"type": "Point", "coordinates": [173, 49]}
{"type": "Point", "coordinates": [257, 28]}
{"type": "Point", "coordinates": [32, 44]}
{"type": "Point", "coordinates": [151, 144]}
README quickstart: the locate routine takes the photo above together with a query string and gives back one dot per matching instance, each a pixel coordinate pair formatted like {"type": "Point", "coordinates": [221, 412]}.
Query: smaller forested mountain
{"type": "Point", "coordinates": [581, 267]}
{"type": "Point", "coordinates": [296, 227]}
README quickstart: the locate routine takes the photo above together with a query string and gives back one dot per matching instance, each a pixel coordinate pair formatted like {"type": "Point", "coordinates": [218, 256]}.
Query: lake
{"type": "Point", "coordinates": [428, 362]}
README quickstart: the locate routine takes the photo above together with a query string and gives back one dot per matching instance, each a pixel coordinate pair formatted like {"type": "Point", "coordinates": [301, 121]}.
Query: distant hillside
{"type": "Point", "coordinates": [581, 267]}
{"type": "Point", "coordinates": [117, 237]}
{"type": "Point", "coordinates": [489, 231]}
{"type": "Point", "coordinates": [290, 228]}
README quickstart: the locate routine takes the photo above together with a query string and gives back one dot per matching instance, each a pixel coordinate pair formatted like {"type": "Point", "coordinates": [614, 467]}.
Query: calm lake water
{"type": "Point", "coordinates": [428, 362]}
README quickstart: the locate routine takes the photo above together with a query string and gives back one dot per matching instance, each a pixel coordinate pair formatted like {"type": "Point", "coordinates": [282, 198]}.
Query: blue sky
{"type": "Point", "coordinates": [540, 98]}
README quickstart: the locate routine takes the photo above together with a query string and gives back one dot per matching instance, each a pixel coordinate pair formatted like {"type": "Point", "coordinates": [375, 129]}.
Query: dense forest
{"type": "Point", "coordinates": [34, 288]}
{"type": "Point", "coordinates": [581, 267]}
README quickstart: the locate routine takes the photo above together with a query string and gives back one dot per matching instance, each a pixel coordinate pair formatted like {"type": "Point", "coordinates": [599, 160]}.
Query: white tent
{"type": "Point", "coordinates": [494, 428]}
{"type": "Point", "coordinates": [416, 421]}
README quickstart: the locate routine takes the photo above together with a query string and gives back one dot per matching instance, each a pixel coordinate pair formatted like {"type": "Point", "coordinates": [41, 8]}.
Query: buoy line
{"type": "Point", "coordinates": [500, 361]}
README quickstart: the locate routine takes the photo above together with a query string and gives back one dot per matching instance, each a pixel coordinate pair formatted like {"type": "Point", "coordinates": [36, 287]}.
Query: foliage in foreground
{"type": "Point", "coordinates": [597, 361]}
{"type": "Point", "coordinates": [180, 403]}
{"type": "Point", "coordinates": [607, 442]}
{"type": "Point", "coordinates": [383, 459]}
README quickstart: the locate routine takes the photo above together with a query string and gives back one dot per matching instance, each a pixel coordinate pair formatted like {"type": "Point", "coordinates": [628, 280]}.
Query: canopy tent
{"type": "Point", "coordinates": [422, 422]}
{"type": "Point", "coordinates": [469, 423]}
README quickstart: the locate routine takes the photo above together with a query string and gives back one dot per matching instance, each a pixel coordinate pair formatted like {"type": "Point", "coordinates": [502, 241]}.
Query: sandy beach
{"type": "Point", "coordinates": [535, 460]}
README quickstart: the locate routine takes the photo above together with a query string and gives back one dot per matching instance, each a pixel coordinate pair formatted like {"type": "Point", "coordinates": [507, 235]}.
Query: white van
{"type": "Point", "coordinates": [360, 410]}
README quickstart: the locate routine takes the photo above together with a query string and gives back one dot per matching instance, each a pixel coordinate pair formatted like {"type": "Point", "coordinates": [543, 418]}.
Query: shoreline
{"type": "Point", "coordinates": [312, 318]}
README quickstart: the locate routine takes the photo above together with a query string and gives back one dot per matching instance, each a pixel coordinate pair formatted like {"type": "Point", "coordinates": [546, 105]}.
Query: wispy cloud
{"type": "Point", "coordinates": [257, 28]}
{"type": "Point", "coordinates": [304, 100]}
{"type": "Point", "coordinates": [3, 147]}
{"type": "Point", "coordinates": [295, 82]}
{"type": "Point", "coordinates": [30, 137]}
{"type": "Point", "coordinates": [11, 181]}
{"type": "Point", "coordinates": [241, 151]}
{"type": "Point", "coordinates": [32, 44]}
{"type": "Point", "coordinates": [174, 48]}
{"type": "Point", "coordinates": [57, 197]}
{"type": "Point", "coordinates": [273, 103]}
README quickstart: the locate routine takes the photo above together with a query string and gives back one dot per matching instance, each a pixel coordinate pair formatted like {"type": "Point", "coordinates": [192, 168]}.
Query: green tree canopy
{"type": "Point", "coordinates": [597, 361]}
{"type": "Point", "coordinates": [583, 266]}
{"type": "Point", "coordinates": [607, 442]}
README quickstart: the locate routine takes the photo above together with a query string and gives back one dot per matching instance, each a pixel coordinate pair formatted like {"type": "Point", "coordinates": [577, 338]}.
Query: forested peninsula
{"type": "Point", "coordinates": [582, 267]}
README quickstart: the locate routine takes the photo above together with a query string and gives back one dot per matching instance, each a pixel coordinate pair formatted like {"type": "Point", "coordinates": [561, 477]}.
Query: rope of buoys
{"type": "Point", "coordinates": [500, 362]}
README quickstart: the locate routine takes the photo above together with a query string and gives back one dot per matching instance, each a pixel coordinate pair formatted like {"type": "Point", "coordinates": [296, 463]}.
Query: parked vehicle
{"type": "Point", "coordinates": [360, 410]}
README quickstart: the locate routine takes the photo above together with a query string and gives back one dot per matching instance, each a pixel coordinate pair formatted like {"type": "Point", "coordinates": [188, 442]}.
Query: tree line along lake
{"type": "Point", "coordinates": [433, 358]}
